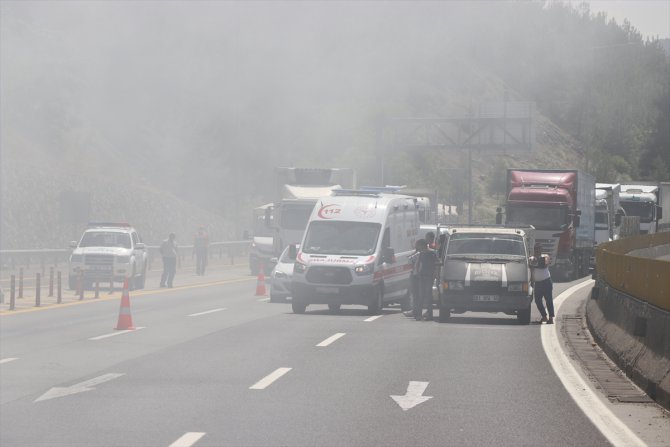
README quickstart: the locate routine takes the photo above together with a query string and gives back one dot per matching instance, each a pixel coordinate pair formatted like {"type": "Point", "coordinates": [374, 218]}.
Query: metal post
{"type": "Point", "coordinates": [38, 289]}
{"type": "Point", "coordinates": [97, 288]}
{"type": "Point", "coordinates": [20, 283]}
{"type": "Point", "coordinates": [81, 285]}
{"type": "Point", "coordinates": [12, 293]}
{"type": "Point", "coordinates": [470, 186]}
{"type": "Point", "coordinates": [111, 284]}
{"type": "Point", "coordinates": [59, 299]}
{"type": "Point", "coordinates": [51, 281]}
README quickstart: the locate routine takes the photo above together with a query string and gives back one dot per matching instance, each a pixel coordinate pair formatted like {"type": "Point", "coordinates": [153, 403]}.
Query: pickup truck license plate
{"type": "Point", "coordinates": [485, 297]}
{"type": "Point", "coordinates": [328, 290]}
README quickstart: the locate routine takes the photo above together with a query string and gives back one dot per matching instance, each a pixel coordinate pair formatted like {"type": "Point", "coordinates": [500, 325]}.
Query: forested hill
{"type": "Point", "coordinates": [188, 106]}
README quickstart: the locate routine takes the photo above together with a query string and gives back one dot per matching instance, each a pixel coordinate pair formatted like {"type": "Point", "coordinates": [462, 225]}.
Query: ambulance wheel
{"type": "Point", "coordinates": [377, 303]}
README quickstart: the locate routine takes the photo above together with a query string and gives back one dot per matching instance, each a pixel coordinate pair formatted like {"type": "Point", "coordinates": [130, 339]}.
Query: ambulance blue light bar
{"type": "Point", "coordinates": [355, 192]}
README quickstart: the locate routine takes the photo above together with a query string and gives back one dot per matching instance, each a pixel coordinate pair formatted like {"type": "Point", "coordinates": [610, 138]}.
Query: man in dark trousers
{"type": "Point", "coordinates": [169, 254]}
{"type": "Point", "coordinates": [425, 268]}
{"type": "Point", "coordinates": [542, 285]}
{"type": "Point", "coordinates": [200, 247]}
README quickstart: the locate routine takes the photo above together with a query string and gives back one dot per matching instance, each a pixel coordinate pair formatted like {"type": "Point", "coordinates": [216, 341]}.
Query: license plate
{"type": "Point", "coordinates": [328, 290]}
{"type": "Point", "coordinates": [485, 297]}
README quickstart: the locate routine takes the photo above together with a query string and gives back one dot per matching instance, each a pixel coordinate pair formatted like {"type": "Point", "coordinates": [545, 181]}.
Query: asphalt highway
{"type": "Point", "coordinates": [211, 364]}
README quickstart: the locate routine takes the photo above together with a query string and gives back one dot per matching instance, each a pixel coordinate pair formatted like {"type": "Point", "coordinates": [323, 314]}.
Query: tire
{"type": "Point", "coordinates": [298, 307]}
{"type": "Point", "coordinates": [376, 303]}
{"type": "Point", "coordinates": [334, 308]}
{"type": "Point", "coordinates": [445, 314]}
{"type": "Point", "coordinates": [523, 316]}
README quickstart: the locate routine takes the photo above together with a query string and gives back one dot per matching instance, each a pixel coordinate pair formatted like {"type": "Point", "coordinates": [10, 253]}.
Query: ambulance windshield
{"type": "Point", "coordinates": [341, 238]}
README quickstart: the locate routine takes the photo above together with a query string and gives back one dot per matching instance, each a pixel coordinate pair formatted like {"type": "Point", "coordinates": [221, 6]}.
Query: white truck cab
{"type": "Point", "coordinates": [108, 252]}
{"type": "Point", "coordinates": [356, 250]}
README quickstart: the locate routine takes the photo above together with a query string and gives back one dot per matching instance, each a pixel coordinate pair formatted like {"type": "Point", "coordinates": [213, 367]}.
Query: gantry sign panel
{"type": "Point", "coordinates": [500, 126]}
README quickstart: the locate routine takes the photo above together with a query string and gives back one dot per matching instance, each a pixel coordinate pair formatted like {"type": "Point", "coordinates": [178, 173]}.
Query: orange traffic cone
{"type": "Point", "coordinates": [125, 319]}
{"type": "Point", "coordinates": [260, 283]}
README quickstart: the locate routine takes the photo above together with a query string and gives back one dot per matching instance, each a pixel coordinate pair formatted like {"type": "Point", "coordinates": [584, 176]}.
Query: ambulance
{"type": "Point", "coordinates": [356, 251]}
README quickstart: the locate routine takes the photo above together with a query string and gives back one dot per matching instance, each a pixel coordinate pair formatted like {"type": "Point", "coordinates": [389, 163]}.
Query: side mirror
{"type": "Point", "coordinates": [617, 220]}
{"type": "Point", "coordinates": [388, 255]}
{"type": "Point", "coordinates": [73, 244]}
{"type": "Point", "coordinates": [659, 212]}
{"type": "Point", "coordinates": [268, 218]}
{"type": "Point", "coordinates": [576, 219]}
{"type": "Point", "coordinates": [499, 216]}
{"type": "Point", "coordinates": [140, 246]}
{"type": "Point", "coordinates": [292, 252]}
{"type": "Point", "coordinates": [273, 260]}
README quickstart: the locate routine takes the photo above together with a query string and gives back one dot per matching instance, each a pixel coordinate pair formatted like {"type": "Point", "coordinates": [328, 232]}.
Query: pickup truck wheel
{"type": "Point", "coordinates": [523, 316]}
{"type": "Point", "coordinates": [298, 307]}
{"type": "Point", "coordinates": [377, 303]}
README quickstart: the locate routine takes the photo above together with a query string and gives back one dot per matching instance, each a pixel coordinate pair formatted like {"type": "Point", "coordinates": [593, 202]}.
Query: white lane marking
{"type": "Point", "coordinates": [264, 299]}
{"type": "Point", "coordinates": [373, 318]}
{"type": "Point", "coordinates": [8, 359]}
{"type": "Point", "coordinates": [609, 425]}
{"type": "Point", "coordinates": [267, 381]}
{"type": "Point", "coordinates": [188, 439]}
{"type": "Point", "coordinates": [331, 339]}
{"type": "Point", "coordinates": [413, 397]}
{"type": "Point", "coordinates": [114, 334]}
{"type": "Point", "coordinates": [87, 385]}
{"type": "Point", "coordinates": [207, 312]}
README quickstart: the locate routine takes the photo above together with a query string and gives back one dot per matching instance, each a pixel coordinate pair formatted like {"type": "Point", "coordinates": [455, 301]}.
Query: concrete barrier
{"type": "Point", "coordinates": [629, 310]}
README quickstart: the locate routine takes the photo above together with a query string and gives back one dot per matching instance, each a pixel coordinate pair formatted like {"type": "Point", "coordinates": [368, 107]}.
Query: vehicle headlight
{"type": "Point", "coordinates": [455, 285]}
{"type": "Point", "coordinates": [280, 275]}
{"type": "Point", "coordinates": [299, 267]}
{"type": "Point", "coordinates": [76, 258]}
{"type": "Point", "coordinates": [364, 269]}
{"type": "Point", "coordinates": [123, 259]}
{"type": "Point", "coordinates": [518, 287]}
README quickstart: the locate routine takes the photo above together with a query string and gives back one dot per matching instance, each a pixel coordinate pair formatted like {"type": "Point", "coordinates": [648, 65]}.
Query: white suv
{"type": "Point", "coordinates": [108, 251]}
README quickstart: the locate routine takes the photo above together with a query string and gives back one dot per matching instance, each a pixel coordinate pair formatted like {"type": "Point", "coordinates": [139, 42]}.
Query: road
{"type": "Point", "coordinates": [210, 364]}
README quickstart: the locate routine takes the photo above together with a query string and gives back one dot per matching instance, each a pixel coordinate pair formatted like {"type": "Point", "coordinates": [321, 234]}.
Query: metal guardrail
{"type": "Point", "coordinates": [645, 278]}
{"type": "Point", "coordinates": [13, 259]}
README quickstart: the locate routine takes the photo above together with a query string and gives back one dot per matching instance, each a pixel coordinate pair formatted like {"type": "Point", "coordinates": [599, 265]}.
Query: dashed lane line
{"type": "Point", "coordinates": [207, 312]}
{"type": "Point", "coordinates": [8, 359]}
{"type": "Point", "coordinates": [114, 334]}
{"type": "Point", "coordinates": [609, 425]}
{"type": "Point", "coordinates": [269, 379]}
{"type": "Point", "coordinates": [188, 439]}
{"type": "Point", "coordinates": [331, 339]}
{"type": "Point", "coordinates": [373, 318]}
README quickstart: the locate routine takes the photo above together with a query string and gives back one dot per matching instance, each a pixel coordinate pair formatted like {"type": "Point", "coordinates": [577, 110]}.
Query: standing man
{"type": "Point", "coordinates": [543, 287]}
{"type": "Point", "coordinates": [200, 248]}
{"type": "Point", "coordinates": [169, 254]}
{"type": "Point", "coordinates": [425, 267]}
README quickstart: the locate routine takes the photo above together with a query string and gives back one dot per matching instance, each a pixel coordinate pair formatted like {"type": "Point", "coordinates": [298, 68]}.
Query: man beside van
{"type": "Point", "coordinates": [424, 269]}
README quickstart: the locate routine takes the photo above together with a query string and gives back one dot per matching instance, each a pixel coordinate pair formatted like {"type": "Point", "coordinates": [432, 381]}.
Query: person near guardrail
{"type": "Point", "coordinates": [542, 285]}
{"type": "Point", "coordinates": [200, 248]}
{"type": "Point", "coordinates": [169, 253]}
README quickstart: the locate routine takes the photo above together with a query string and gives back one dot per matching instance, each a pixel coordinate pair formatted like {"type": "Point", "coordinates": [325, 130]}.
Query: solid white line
{"type": "Point", "coordinates": [207, 312]}
{"type": "Point", "coordinates": [267, 381]}
{"type": "Point", "coordinates": [373, 318]}
{"type": "Point", "coordinates": [114, 334]}
{"type": "Point", "coordinates": [331, 339]}
{"type": "Point", "coordinates": [188, 439]}
{"type": "Point", "coordinates": [264, 299]}
{"type": "Point", "coordinates": [8, 359]}
{"type": "Point", "coordinates": [609, 425]}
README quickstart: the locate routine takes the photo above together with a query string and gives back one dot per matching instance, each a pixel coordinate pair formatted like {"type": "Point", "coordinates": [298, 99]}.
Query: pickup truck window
{"type": "Point", "coordinates": [105, 239]}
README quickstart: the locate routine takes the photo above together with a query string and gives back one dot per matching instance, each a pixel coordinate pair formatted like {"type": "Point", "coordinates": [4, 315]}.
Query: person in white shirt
{"type": "Point", "coordinates": [542, 285]}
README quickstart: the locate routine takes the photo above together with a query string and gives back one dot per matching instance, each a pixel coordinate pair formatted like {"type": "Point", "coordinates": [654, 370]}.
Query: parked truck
{"type": "Point", "coordinates": [608, 212]}
{"type": "Point", "coordinates": [644, 199]}
{"type": "Point", "coordinates": [296, 193]}
{"type": "Point", "coordinates": [560, 205]}
{"type": "Point", "coordinates": [262, 248]}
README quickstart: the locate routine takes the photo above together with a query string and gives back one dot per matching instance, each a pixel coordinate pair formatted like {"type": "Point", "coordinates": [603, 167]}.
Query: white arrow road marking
{"type": "Point", "coordinates": [8, 359]}
{"type": "Point", "coordinates": [413, 397]}
{"type": "Point", "coordinates": [207, 312]}
{"type": "Point", "coordinates": [114, 334]}
{"type": "Point", "coordinates": [264, 299]}
{"type": "Point", "coordinates": [87, 385]}
{"type": "Point", "coordinates": [188, 439]}
{"type": "Point", "coordinates": [373, 318]}
{"type": "Point", "coordinates": [331, 339]}
{"type": "Point", "coordinates": [267, 381]}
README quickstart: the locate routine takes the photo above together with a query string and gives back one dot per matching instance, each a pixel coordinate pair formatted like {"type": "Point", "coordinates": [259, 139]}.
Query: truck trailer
{"type": "Point", "coordinates": [560, 205]}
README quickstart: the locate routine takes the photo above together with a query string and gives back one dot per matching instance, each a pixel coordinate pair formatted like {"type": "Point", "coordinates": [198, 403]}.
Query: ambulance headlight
{"type": "Point", "coordinates": [364, 269]}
